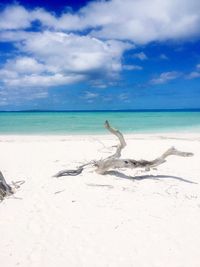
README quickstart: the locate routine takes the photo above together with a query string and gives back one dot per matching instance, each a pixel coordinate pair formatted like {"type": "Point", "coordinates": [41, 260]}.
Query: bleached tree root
{"type": "Point", "coordinates": [114, 161]}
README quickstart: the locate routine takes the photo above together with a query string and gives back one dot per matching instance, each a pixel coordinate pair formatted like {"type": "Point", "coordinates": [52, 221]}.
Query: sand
{"type": "Point", "coordinates": [127, 218]}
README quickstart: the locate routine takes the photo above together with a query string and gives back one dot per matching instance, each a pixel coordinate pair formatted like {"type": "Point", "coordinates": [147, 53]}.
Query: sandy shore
{"type": "Point", "coordinates": [128, 218]}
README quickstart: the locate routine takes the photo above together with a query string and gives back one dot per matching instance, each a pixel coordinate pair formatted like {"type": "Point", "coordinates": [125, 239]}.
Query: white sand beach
{"type": "Point", "coordinates": [127, 218]}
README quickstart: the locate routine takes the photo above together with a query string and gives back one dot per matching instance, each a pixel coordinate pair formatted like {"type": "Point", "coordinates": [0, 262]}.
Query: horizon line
{"type": "Point", "coordinates": [108, 110]}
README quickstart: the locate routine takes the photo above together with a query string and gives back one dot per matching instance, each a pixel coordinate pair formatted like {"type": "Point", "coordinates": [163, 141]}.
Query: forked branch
{"type": "Point", "coordinates": [114, 161]}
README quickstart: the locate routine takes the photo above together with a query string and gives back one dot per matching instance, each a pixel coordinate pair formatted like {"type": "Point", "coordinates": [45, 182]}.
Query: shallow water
{"type": "Point", "coordinates": [92, 122]}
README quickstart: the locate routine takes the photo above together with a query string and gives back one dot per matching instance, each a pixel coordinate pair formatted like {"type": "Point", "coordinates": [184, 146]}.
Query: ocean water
{"type": "Point", "coordinates": [92, 122]}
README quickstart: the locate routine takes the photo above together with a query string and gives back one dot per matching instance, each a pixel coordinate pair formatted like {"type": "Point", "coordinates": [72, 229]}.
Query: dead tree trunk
{"type": "Point", "coordinates": [114, 161]}
{"type": "Point", "coordinates": [5, 189]}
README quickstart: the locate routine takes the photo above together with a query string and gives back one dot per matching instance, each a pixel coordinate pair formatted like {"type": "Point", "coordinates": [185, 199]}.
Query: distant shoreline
{"type": "Point", "coordinates": [118, 110]}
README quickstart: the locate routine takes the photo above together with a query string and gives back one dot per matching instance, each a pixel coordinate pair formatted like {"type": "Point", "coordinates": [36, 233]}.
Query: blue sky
{"type": "Point", "coordinates": [75, 55]}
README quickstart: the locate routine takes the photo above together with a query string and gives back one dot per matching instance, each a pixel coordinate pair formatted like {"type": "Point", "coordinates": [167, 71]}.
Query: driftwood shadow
{"type": "Point", "coordinates": [144, 177]}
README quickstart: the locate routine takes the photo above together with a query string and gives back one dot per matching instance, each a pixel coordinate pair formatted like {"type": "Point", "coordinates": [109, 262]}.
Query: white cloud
{"type": "Point", "coordinates": [35, 80]}
{"type": "Point", "coordinates": [75, 53]}
{"type": "Point", "coordinates": [14, 36]}
{"type": "Point", "coordinates": [14, 17]}
{"type": "Point", "coordinates": [45, 17]}
{"type": "Point", "coordinates": [194, 74]}
{"type": "Point", "coordinates": [124, 97]}
{"type": "Point", "coordinates": [57, 54]}
{"type": "Point", "coordinates": [144, 21]}
{"type": "Point", "coordinates": [24, 65]}
{"type": "Point", "coordinates": [8, 96]}
{"type": "Point", "coordinates": [142, 56]}
{"type": "Point", "coordinates": [90, 95]}
{"type": "Point", "coordinates": [165, 77]}
{"type": "Point", "coordinates": [57, 58]}
{"type": "Point", "coordinates": [37, 95]}
{"type": "Point", "coordinates": [141, 21]}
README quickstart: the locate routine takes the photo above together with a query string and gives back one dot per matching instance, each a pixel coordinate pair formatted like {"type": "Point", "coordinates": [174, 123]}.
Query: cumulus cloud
{"type": "Point", "coordinates": [24, 65]}
{"type": "Point", "coordinates": [89, 44]}
{"type": "Point", "coordinates": [165, 77]}
{"type": "Point", "coordinates": [141, 21]}
{"type": "Point", "coordinates": [57, 58]}
{"type": "Point", "coordinates": [28, 72]}
{"type": "Point", "coordinates": [14, 17]}
{"type": "Point", "coordinates": [75, 53]}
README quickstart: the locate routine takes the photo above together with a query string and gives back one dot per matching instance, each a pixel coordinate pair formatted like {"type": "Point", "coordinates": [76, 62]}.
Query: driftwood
{"type": "Point", "coordinates": [73, 172]}
{"type": "Point", "coordinates": [5, 189]}
{"type": "Point", "coordinates": [114, 161]}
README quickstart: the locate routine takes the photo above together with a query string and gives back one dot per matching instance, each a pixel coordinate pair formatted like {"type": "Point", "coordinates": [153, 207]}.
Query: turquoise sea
{"type": "Point", "coordinates": [92, 122]}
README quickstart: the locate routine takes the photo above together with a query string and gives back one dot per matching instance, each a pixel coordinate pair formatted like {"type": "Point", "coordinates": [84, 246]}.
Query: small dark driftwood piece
{"type": "Point", "coordinates": [69, 172]}
{"type": "Point", "coordinates": [5, 189]}
{"type": "Point", "coordinates": [114, 161]}
{"type": "Point", "coordinates": [73, 172]}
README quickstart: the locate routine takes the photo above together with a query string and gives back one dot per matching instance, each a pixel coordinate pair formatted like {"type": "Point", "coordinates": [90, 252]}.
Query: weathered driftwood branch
{"type": "Point", "coordinates": [114, 161]}
{"type": "Point", "coordinates": [5, 189]}
{"type": "Point", "coordinates": [121, 144]}
{"type": "Point", "coordinates": [104, 165]}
